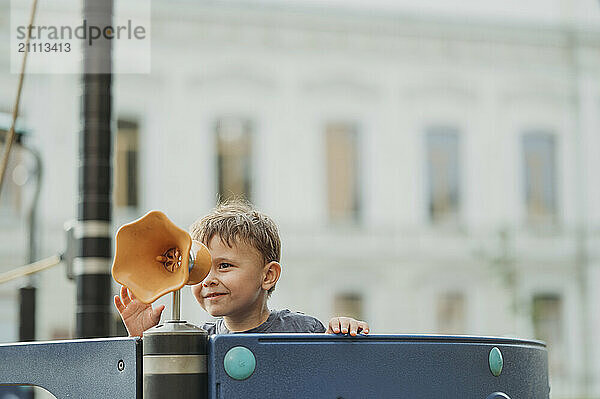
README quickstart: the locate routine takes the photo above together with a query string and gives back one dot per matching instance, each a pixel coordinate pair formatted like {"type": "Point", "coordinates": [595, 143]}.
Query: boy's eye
{"type": "Point", "coordinates": [224, 265]}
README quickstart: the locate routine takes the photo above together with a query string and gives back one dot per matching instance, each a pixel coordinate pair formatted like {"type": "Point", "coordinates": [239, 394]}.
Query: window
{"type": "Point", "coordinates": [540, 177]}
{"type": "Point", "coordinates": [126, 164]}
{"type": "Point", "coordinates": [548, 327]}
{"type": "Point", "coordinates": [234, 158]}
{"type": "Point", "coordinates": [443, 174]}
{"type": "Point", "coordinates": [343, 199]}
{"type": "Point", "coordinates": [349, 305]}
{"type": "Point", "coordinates": [451, 317]}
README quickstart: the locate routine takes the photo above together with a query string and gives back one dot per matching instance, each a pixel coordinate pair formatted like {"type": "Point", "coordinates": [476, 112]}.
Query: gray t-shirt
{"type": "Point", "coordinates": [279, 321]}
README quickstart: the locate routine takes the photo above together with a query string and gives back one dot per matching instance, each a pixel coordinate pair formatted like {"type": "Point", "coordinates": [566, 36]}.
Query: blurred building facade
{"type": "Point", "coordinates": [429, 173]}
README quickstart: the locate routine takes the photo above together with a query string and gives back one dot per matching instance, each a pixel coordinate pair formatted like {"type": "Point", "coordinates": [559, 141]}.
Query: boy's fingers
{"type": "Point", "coordinates": [347, 325]}
{"type": "Point", "coordinates": [353, 328]}
{"type": "Point", "coordinates": [157, 312]}
{"type": "Point", "coordinates": [119, 304]}
{"type": "Point", "coordinates": [344, 324]}
{"type": "Point", "coordinates": [125, 296]}
{"type": "Point", "coordinates": [334, 325]}
{"type": "Point", "coordinates": [363, 327]}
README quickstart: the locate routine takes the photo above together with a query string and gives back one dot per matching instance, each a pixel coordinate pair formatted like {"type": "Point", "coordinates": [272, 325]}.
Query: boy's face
{"type": "Point", "coordinates": [234, 283]}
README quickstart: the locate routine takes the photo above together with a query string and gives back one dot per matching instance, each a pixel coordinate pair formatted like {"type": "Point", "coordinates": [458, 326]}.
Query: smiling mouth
{"type": "Point", "coordinates": [214, 295]}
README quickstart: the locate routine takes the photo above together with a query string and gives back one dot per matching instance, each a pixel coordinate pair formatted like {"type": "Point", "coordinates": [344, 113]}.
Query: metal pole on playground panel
{"type": "Point", "coordinates": [175, 359]}
{"type": "Point", "coordinates": [92, 264]}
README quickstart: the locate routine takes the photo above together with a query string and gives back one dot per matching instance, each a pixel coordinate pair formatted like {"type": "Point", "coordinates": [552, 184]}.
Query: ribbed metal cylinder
{"type": "Point", "coordinates": [94, 202]}
{"type": "Point", "coordinates": [175, 361]}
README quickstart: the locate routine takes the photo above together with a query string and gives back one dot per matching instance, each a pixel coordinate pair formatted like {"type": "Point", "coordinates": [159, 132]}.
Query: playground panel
{"type": "Point", "coordinates": [296, 366]}
{"type": "Point", "coordinates": [377, 366]}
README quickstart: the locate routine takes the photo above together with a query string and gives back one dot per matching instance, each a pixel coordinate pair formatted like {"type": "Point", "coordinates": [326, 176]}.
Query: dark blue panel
{"type": "Point", "coordinates": [88, 368]}
{"type": "Point", "coordinates": [379, 366]}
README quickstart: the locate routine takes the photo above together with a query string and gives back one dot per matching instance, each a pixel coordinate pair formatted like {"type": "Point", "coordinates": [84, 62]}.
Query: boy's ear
{"type": "Point", "coordinates": [272, 271]}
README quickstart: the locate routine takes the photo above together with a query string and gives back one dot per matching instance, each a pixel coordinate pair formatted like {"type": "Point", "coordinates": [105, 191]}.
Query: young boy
{"type": "Point", "coordinates": [245, 248]}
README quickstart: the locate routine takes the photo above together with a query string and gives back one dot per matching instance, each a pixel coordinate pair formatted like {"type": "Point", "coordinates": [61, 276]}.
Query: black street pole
{"type": "Point", "coordinates": [92, 264]}
{"type": "Point", "coordinates": [27, 313]}
{"type": "Point", "coordinates": [27, 294]}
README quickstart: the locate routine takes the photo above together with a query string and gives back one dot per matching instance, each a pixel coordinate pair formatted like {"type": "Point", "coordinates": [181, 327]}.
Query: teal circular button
{"type": "Point", "coordinates": [496, 361]}
{"type": "Point", "coordinates": [239, 362]}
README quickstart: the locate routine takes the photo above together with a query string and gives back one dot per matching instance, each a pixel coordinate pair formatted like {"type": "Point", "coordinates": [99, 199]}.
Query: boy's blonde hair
{"type": "Point", "coordinates": [237, 220]}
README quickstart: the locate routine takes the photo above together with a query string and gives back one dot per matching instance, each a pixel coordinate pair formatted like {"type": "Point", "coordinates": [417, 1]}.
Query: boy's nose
{"type": "Point", "coordinates": [209, 280]}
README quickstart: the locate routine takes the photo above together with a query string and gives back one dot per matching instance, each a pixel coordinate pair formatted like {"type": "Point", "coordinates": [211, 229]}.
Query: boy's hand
{"type": "Point", "coordinates": [137, 315]}
{"type": "Point", "coordinates": [347, 325]}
